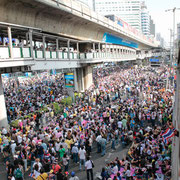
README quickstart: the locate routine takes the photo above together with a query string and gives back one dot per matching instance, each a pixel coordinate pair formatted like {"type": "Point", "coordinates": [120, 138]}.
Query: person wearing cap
{"type": "Point", "coordinates": [73, 176]}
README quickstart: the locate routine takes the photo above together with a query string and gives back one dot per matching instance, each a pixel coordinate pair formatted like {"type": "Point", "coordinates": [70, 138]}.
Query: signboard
{"type": "Point", "coordinates": [154, 60]}
{"type": "Point", "coordinates": [109, 38]}
{"type": "Point", "coordinates": [5, 75]}
{"type": "Point", "coordinates": [69, 80]}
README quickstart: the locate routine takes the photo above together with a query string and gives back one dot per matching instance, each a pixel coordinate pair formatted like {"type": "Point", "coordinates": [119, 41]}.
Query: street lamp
{"type": "Point", "coordinates": [173, 34]}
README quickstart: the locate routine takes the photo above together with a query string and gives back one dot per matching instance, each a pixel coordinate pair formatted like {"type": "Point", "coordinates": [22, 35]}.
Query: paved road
{"type": "Point", "coordinates": [99, 162]}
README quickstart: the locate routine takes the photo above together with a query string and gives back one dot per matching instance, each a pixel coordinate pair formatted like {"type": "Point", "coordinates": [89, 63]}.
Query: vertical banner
{"type": "Point", "coordinates": [69, 80]}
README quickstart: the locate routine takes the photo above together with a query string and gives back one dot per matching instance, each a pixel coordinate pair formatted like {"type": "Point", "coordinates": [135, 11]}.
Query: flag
{"type": "Point", "coordinates": [169, 133]}
{"type": "Point", "coordinates": [31, 174]}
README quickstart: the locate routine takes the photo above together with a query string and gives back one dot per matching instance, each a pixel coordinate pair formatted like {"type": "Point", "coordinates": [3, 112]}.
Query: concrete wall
{"type": "Point", "coordinates": [68, 19]}
{"type": "Point", "coordinates": [176, 123]}
{"type": "Point", "coordinates": [48, 19]}
{"type": "Point", "coordinates": [3, 113]}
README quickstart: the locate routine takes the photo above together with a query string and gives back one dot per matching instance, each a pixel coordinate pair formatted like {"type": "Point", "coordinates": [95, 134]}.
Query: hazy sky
{"type": "Point", "coordinates": [162, 19]}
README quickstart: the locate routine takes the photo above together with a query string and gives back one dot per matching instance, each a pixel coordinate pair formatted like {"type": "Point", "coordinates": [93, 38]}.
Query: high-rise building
{"type": "Point", "coordinates": [160, 39]}
{"type": "Point", "coordinates": [152, 27]}
{"type": "Point", "coordinates": [128, 10]}
{"type": "Point", "coordinates": [145, 19]}
{"type": "Point", "coordinates": [178, 31]}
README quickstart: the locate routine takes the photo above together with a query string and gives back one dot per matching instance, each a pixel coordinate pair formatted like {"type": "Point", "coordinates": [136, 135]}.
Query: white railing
{"type": "Point", "coordinates": [25, 52]}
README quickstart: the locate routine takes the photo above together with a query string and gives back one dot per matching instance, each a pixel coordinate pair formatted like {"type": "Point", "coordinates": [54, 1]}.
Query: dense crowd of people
{"type": "Point", "coordinates": [26, 95]}
{"type": "Point", "coordinates": [127, 106]}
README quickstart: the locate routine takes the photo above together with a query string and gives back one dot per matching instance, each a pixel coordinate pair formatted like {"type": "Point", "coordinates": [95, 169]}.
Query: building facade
{"type": "Point", "coordinates": [145, 19]}
{"type": "Point", "coordinates": [178, 31]}
{"type": "Point", "coordinates": [152, 27]}
{"type": "Point", "coordinates": [128, 10]}
{"type": "Point", "coordinates": [160, 39]}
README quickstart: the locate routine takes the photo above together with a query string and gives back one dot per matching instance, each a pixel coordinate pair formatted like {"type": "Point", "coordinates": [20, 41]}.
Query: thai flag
{"type": "Point", "coordinates": [169, 133]}
{"type": "Point", "coordinates": [31, 174]}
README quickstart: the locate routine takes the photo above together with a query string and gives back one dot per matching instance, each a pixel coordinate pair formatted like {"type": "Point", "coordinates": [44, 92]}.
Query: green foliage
{"type": "Point", "coordinates": [15, 123]}
{"type": "Point", "coordinates": [67, 101]}
{"type": "Point", "coordinates": [58, 108]}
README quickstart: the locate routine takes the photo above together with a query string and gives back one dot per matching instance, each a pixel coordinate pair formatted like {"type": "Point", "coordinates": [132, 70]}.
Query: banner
{"type": "Point", "coordinates": [69, 80]}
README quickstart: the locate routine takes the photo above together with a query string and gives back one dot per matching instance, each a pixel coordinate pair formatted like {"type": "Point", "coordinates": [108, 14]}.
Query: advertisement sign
{"type": "Point", "coordinates": [109, 38]}
{"type": "Point", "coordinates": [154, 60]}
{"type": "Point", "coordinates": [69, 80]}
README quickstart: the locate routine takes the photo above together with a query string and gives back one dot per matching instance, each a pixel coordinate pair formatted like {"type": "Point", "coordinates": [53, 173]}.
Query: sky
{"type": "Point", "coordinates": [164, 20]}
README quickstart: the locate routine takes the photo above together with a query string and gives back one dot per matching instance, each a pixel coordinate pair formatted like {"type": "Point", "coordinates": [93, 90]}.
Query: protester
{"type": "Point", "coordinates": [89, 168]}
{"type": "Point", "coordinates": [123, 106]}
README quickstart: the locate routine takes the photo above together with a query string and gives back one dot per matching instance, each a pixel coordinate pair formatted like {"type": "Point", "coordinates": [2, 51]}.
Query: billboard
{"type": "Point", "coordinates": [154, 60]}
{"type": "Point", "coordinates": [69, 80]}
{"type": "Point", "coordinates": [109, 38]}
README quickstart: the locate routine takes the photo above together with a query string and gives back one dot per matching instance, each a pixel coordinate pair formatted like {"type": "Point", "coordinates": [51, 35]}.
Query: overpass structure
{"type": "Point", "coordinates": [58, 34]}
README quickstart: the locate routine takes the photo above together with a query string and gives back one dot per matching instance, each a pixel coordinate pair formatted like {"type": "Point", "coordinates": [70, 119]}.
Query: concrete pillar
{"type": "Point", "coordinates": [106, 49]}
{"type": "Point", "coordinates": [68, 45]}
{"type": "Point", "coordinates": [3, 113]}
{"type": "Point", "coordinates": [88, 77]}
{"type": "Point", "coordinates": [113, 50]}
{"type": "Point", "coordinates": [82, 79]}
{"type": "Point", "coordinates": [57, 48]}
{"type": "Point", "coordinates": [76, 80]}
{"type": "Point", "coordinates": [94, 48]}
{"type": "Point", "coordinates": [27, 34]}
{"type": "Point", "coordinates": [10, 42]}
{"type": "Point", "coordinates": [4, 43]}
{"type": "Point", "coordinates": [44, 44]}
{"type": "Point", "coordinates": [77, 45]}
{"type": "Point", "coordinates": [31, 45]}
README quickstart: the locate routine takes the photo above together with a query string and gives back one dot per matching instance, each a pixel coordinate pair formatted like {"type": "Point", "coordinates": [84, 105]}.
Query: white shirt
{"type": "Point", "coordinates": [74, 149]}
{"type": "Point", "coordinates": [98, 139]}
{"type": "Point", "coordinates": [57, 145]}
{"type": "Point", "coordinates": [88, 164]}
{"type": "Point", "coordinates": [128, 173]}
{"type": "Point", "coordinates": [82, 153]}
{"type": "Point", "coordinates": [39, 165]}
{"type": "Point", "coordinates": [36, 173]}
{"type": "Point", "coordinates": [4, 131]}
{"type": "Point", "coordinates": [119, 124]}
{"type": "Point", "coordinates": [19, 138]}
{"type": "Point", "coordinates": [13, 146]}
{"type": "Point", "coordinates": [115, 169]}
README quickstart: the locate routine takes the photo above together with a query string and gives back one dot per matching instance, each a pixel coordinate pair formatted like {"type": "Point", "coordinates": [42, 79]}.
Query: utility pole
{"type": "Point", "coordinates": [173, 34]}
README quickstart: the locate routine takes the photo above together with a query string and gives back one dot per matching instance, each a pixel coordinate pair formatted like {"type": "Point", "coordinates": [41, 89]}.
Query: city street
{"type": "Point", "coordinates": [98, 161]}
